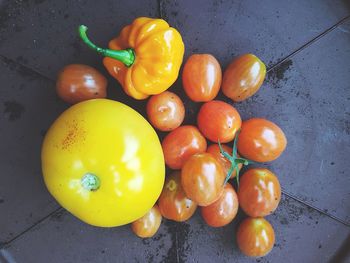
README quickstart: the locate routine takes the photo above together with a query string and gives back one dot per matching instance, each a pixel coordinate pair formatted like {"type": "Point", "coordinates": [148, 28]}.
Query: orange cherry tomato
{"type": "Point", "coordinates": [173, 202]}
{"type": "Point", "coordinates": [261, 140]}
{"type": "Point", "coordinates": [214, 150]}
{"type": "Point", "coordinates": [243, 77]}
{"type": "Point", "coordinates": [182, 143]}
{"type": "Point", "coordinates": [202, 178]}
{"type": "Point", "coordinates": [76, 83]}
{"type": "Point", "coordinates": [149, 224]}
{"type": "Point", "coordinates": [218, 120]}
{"type": "Point", "coordinates": [201, 77]}
{"type": "Point", "coordinates": [165, 111]}
{"type": "Point", "coordinates": [223, 210]}
{"type": "Point", "coordinates": [255, 237]}
{"type": "Point", "coordinates": [259, 192]}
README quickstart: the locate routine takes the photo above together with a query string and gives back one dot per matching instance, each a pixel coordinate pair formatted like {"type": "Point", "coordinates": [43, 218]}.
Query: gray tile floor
{"type": "Point", "coordinates": [306, 45]}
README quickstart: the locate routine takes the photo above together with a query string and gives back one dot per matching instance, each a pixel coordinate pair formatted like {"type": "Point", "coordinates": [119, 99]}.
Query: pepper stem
{"type": "Point", "coordinates": [126, 56]}
{"type": "Point", "coordinates": [90, 182]}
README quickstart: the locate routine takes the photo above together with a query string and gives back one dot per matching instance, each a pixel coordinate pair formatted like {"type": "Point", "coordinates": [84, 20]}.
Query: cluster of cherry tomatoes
{"type": "Point", "coordinates": [201, 174]}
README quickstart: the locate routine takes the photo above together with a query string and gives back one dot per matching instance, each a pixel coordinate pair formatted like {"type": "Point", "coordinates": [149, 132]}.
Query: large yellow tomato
{"type": "Point", "coordinates": [103, 162]}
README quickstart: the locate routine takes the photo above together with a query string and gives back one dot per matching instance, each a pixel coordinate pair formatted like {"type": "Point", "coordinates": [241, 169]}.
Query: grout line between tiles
{"type": "Point", "coordinates": [3, 245]}
{"type": "Point", "coordinates": [339, 220]}
{"type": "Point", "coordinates": [9, 60]}
{"type": "Point", "coordinates": [315, 39]}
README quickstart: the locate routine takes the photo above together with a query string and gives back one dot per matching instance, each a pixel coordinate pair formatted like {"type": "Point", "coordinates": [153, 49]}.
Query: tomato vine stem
{"type": "Point", "coordinates": [234, 159]}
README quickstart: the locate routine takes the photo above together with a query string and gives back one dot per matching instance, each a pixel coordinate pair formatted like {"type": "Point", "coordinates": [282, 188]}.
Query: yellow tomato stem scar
{"type": "Point", "coordinates": [90, 182]}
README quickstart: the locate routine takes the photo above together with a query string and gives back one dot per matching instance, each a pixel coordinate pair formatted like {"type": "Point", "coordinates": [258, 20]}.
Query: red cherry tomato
{"type": "Point", "coordinates": [173, 202]}
{"type": "Point", "coordinates": [261, 140]}
{"type": "Point", "coordinates": [201, 77]}
{"type": "Point", "coordinates": [214, 150]}
{"type": "Point", "coordinates": [243, 77]}
{"type": "Point", "coordinates": [76, 83]}
{"type": "Point", "coordinates": [255, 237]}
{"type": "Point", "coordinates": [223, 210]}
{"type": "Point", "coordinates": [202, 178]}
{"type": "Point", "coordinates": [149, 224]}
{"type": "Point", "coordinates": [182, 143]}
{"type": "Point", "coordinates": [165, 111]}
{"type": "Point", "coordinates": [218, 120]}
{"type": "Point", "coordinates": [259, 192]}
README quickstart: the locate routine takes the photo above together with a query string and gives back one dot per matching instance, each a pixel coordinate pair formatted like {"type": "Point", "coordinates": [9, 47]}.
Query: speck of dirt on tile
{"type": "Point", "coordinates": [39, 1]}
{"type": "Point", "coordinates": [77, 47]}
{"type": "Point", "coordinates": [320, 246]}
{"type": "Point", "coordinates": [43, 132]}
{"type": "Point", "coordinates": [58, 216]}
{"type": "Point", "coordinates": [13, 110]}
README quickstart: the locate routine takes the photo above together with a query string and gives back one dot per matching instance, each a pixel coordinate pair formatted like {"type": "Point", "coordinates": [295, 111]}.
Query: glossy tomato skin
{"type": "Point", "coordinates": [243, 77]}
{"type": "Point", "coordinates": [182, 143]}
{"type": "Point", "coordinates": [165, 111]}
{"type": "Point", "coordinates": [255, 237]}
{"type": "Point", "coordinates": [214, 150]}
{"type": "Point", "coordinates": [76, 83]}
{"type": "Point", "coordinates": [261, 140]}
{"type": "Point", "coordinates": [123, 151]}
{"type": "Point", "coordinates": [202, 178]}
{"type": "Point", "coordinates": [148, 225]}
{"type": "Point", "coordinates": [201, 77]}
{"type": "Point", "coordinates": [173, 202]}
{"type": "Point", "coordinates": [259, 192]}
{"type": "Point", "coordinates": [223, 210]}
{"type": "Point", "coordinates": [218, 120]}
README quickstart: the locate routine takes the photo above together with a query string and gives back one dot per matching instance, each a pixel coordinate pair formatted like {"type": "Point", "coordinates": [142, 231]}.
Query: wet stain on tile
{"type": "Point", "coordinates": [180, 247]}
{"type": "Point", "coordinates": [13, 110]}
{"type": "Point", "coordinates": [2, 201]}
{"type": "Point", "coordinates": [279, 73]}
{"type": "Point", "coordinates": [294, 212]}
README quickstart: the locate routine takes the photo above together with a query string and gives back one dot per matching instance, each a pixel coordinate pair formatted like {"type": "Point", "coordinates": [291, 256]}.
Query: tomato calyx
{"type": "Point", "coordinates": [234, 159]}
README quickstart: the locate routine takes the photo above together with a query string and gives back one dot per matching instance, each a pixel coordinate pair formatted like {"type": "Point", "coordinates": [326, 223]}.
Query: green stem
{"type": "Point", "coordinates": [90, 182]}
{"type": "Point", "coordinates": [235, 161]}
{"type": "Point", "coordinates": [126, 56]}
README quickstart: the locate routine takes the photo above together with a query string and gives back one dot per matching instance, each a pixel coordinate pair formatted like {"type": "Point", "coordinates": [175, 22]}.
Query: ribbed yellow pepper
{"type": "Point", "coordinates": [145, 58]}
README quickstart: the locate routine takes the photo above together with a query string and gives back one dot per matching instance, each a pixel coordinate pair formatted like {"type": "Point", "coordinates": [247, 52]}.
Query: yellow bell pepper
{"type": "Point", "coordinates": [145, 58]}
{"type": "Point", "coordinates": [103, 162]}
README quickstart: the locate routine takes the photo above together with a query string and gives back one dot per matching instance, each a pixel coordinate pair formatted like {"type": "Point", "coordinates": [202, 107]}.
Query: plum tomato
{"type": "Point", "coordinates": [173, 202]}
{"type": "Point", "coordinates": [76, 83]}
{"type": "Point", "coordinates": [255, 237]}
{"type": "Point", "coordinates": [223, 210]}
{"type": "Point", "coordinates": [261, 140]}
{"type": "Point", "coordinates": [165, 111]}
{"type": "Point", "coordinates": [202, 178]}
{"type": "Point", "coordinates": [201, 77]}
{"type": "Point", "coordinates": [218, 121]}
{"type": "Point", "coordinates": [149, 224]}
{"type": "Point", "coordinates": [259, 192]}
{"type": "Point", "coordinates": [243, 77]}
{"type": "Point", "coordinates": [182, 143]}
{"type": "Point", "coordinates": [214, 150]}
